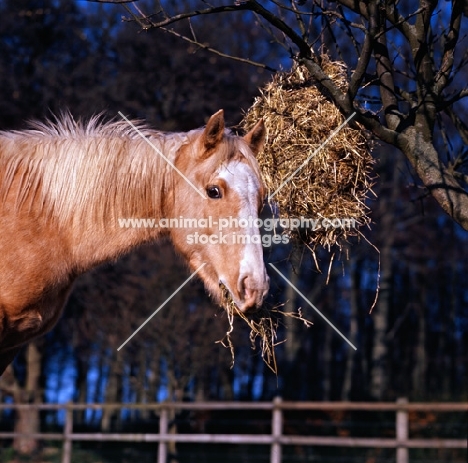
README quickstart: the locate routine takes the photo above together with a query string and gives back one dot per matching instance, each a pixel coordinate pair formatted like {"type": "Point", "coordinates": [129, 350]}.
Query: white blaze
{"type": "Point", "coordinates": [240, 178]}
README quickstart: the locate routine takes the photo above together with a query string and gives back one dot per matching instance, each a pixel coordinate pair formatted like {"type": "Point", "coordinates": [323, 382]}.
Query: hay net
{"type": "Point", "coordinates": [332, 187]}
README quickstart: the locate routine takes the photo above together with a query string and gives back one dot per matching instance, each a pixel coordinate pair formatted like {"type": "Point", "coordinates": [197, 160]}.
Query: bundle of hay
{"type": "Point", "coordinates": [332, 187]}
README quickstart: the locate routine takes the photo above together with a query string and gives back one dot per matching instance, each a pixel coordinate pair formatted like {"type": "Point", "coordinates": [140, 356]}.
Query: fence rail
{"type": "Point", "coordinates": [276, 440]}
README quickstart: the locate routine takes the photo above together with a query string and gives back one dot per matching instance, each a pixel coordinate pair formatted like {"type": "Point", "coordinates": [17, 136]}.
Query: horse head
{"type": "Point", "coordinates": [217, 201]}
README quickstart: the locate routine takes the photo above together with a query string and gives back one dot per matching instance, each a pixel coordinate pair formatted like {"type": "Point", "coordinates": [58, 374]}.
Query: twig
{"type": "Point", "coordinates": [217, 52]}
{"type": "Point", "coordinates": [442, 78]}
{"type": "Point", "coordinates": [112, 1]}
{"type": "Point", "coordinates": [293, 9]}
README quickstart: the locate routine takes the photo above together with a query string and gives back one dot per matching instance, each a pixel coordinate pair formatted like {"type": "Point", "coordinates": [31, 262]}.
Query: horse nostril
{"type": "Point", "coordinates": [251, 296]}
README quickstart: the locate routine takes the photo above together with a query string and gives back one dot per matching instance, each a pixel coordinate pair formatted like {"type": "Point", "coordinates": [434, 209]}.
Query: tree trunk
{"type": "Point", "coordinates": [352, 356]}
{"type": "Point", "coordinates": [142, 386]}
{"type": "Point", "coordinates": [379, 371]}
{"type": "Point", "coordinates": [440, 181]}
{"type": "Point", "coordinates": [327, 363]}
{"type": "Point", "coordinates": [27, 420]}
{"type": "Point", "coordinates": [420, 366]}
{"type": "Point", "coordinates": [81, 387]}
{"type": "Point", "coordinates": [113, 391]}
{"type": "Point", "coordinates": [293, 342]}
{"type": "Point", "coordinates": [379, 374]}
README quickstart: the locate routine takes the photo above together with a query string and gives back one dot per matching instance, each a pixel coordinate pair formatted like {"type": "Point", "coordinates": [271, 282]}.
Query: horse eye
{"type": "Point", "coordinates": [213, 192]}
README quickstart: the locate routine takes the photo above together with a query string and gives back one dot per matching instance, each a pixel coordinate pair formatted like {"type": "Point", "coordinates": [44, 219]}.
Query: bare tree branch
{"type": "Point", "coordinates": [361, 68]}
{"type": "Point", "coordinates": [384, 67]}
{"type": "Point", "coordinates": [399, 21]}
{"type": "Point", "coordinates": [217, 52]}
{"type": "Point", "coordinates": [112, 1]}
{"type": "Point", "coordinates": [453, 99]}
{"type": "Point", "coordinates": [191, 14]}
{"type": "Point", "coordinates": [461, 126]}
{"type": "Point", "coordinates": [443, 76]}
{"type": "Point", "coordinates": [339, 15]}
{"type": "Point", "coordinates": [293, 8]}
{"type": "Point", "coordinates": [411, 95]}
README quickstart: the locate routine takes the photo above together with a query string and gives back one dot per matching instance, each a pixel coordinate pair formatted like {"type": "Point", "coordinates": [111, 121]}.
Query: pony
{"type": "Point", "coordinates": [69, 188]}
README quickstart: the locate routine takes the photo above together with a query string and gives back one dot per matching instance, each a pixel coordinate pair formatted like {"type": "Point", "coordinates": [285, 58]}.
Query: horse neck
{"type": "Point", "coordinates": [129, 185]}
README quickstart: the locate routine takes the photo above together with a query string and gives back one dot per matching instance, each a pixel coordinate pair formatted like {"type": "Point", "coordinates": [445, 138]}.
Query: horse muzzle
{"type": "Point", "coordinates": [250, 293]}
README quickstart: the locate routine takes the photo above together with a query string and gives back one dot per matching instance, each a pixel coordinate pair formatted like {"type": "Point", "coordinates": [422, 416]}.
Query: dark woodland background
{"type": "Point", "coordinates": [81, 56]}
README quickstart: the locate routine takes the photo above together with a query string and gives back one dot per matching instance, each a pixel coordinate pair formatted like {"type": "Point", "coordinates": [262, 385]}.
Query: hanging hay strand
{"type": "Point", "coordinates": [333, 186]}
{"type": "Point", "coordinates": [263, 326]}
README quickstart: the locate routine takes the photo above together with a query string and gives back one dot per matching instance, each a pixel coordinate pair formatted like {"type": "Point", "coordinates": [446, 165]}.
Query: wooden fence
{"type": "Point", "coordinates": [276, 440]}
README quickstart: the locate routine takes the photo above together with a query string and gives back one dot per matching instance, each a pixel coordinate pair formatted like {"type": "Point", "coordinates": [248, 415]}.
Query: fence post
{"type": "Point", "coordinates": [67, 431]}
{"type": "Point", "coordinates": [402, 433]}
{"type": "Point", "coordinates": [163, 427]}
{"type": "Point", "coordinates": [276, 431]}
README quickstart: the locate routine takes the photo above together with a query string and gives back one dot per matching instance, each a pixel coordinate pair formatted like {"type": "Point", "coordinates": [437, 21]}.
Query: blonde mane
{"type": "Point", "coordinates": [89, 172]}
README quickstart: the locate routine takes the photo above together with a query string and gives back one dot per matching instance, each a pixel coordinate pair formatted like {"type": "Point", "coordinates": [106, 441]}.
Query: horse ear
{"type": "Point", "coordinates": [214, 131]}
{"type": "Point", "coordinates": [256, 137]}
